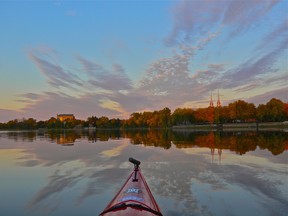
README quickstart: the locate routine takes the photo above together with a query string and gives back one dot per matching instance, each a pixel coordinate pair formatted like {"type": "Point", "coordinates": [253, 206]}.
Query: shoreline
{"type": "Point", "coordinates": [254, 126]}
{"type": "Point", "coordinates": [263, 126]}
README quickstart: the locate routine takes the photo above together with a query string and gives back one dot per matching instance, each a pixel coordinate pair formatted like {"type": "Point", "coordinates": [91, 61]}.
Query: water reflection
{"type": "Point", "coordinates": [239, 142]}
{"type": "Point", "coordinates": [180, 167]}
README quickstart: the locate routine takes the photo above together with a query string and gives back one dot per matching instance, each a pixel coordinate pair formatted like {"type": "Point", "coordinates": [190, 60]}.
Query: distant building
{"type": "Point", "coordinates": [64, 117]}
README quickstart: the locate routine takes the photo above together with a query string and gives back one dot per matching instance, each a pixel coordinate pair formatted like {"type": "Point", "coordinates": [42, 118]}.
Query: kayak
{"type": "Point", "coordinates": [134, 198]}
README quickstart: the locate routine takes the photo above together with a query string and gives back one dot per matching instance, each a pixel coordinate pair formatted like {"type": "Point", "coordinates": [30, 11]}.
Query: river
{"type": "Point", "coordinates": [73, 173]}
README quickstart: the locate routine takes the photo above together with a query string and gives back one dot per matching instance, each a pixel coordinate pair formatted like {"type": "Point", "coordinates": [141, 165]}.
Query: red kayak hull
{"type": "Point", "coordinates": [133, 193]}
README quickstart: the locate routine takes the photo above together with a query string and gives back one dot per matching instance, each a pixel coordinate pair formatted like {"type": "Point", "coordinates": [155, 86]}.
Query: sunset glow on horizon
{"type": "Point", "coordinates": [113, 58]}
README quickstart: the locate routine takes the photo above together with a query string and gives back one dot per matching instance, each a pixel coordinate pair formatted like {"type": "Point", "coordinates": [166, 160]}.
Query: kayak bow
{"type": "Point", "coordinates": [134, 198]}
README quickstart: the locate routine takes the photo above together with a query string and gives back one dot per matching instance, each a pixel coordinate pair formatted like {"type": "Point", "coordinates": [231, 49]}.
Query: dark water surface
{"type": "Point", "coordinates": [209, 173]}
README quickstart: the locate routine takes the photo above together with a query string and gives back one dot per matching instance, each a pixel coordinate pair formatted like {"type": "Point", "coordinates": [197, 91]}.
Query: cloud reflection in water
{"type": "Point", "coordinates": [183, 177]}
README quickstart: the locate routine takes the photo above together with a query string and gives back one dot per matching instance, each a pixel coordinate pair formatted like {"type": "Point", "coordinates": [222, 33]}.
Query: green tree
{"type": "Point", "coordinates": [261, 113]}
{"type": "Point", "coordinates": [115, 123]}
{"type": "Point", "coordinates": [164, 117]}
{"type": "Point", "coordinates": [29, 123]}
{"type": "Point", "coordinates": [103, 122]}
{"type": "Point", "coordinates": [54, 123]}
{"type": "Point", "coordinates": [224, 114]}
{"type": "Point", "coordinates": [183, 116]}
{"type": "Point", "coordinates": [41, 124]}
{"type": "Point", "coordinates": [91, 121]}
{"type": "Point", "coordinates": [275, 109]}
{"type": "Point", "coordinates": [12, 124]}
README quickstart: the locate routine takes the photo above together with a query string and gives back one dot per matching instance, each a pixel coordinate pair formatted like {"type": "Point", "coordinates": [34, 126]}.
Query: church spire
{"type": "Point", "coordinates": [218, 101]}
{"type": "Point", "coordinates": [211, 101]}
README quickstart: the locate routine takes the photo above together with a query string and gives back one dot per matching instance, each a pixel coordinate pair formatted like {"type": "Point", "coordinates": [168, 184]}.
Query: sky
{"type": "Point", "coordinates": [116, 57]}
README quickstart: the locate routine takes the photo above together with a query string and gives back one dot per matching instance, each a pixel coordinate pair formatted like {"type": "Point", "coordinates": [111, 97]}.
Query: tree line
{"type": "Point", "coordinates": [239, 111]}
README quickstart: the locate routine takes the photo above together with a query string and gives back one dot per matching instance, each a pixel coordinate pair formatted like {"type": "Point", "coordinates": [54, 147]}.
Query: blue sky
{"type": "Point", "coordinates": [114, 58]}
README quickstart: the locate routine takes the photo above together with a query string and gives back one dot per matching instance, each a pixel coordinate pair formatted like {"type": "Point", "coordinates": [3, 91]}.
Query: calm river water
{"type": "Point", "coordinates": [73, 173]}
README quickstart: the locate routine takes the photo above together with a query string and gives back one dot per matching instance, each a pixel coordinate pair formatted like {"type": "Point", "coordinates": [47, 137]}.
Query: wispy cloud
{"type": "Point", "coordinates": [186, 74]}
{"type": "Point", "coordinates": [278, 35]}
{"type": "Point", "coordinates": [172, 75]}
{"type": "Point", "coordinates": [50, 103]}
{"type": "Point", "coordinates": [240, 16]}
{"type": "Point", "coordinates": [246, 87]}
{"type": "Point", "coordinates": [91, 68]}
{"type": "Point", "coordinates": [31, 96]}
{"type": "Point", "coordinates": [256, 66]}
{"type": "Point", "coordinates": [55, 74]}
{"type": "Point", "coordinates": [167, 82]}
{"type": "Point", "coordinates": [279, 80]}
{"type": "Point", "coordinates": [114, 79]}
{"type": "Point", "coordinates": [266, 96]}
{"type": "Point", "coordinates": [195, 18]}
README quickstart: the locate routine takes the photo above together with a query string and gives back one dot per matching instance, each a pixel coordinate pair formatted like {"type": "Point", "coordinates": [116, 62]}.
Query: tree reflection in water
{"type": "Point", "coordinates": [239, 142]}
{"type": "Point", "coordinates": [172, 175]}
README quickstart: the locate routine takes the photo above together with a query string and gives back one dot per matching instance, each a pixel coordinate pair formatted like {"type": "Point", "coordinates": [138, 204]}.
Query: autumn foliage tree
{"type": "Point", "coordinates": [274, 110]}
{"type": "Point", "coordinates": [156, 119]}
{"type": "Point", "coordinates": [239, 111]}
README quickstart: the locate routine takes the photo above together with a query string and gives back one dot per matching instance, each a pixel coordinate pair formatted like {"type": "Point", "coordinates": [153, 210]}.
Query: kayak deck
{"type": "Point", "coordinates": [134, 198]}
